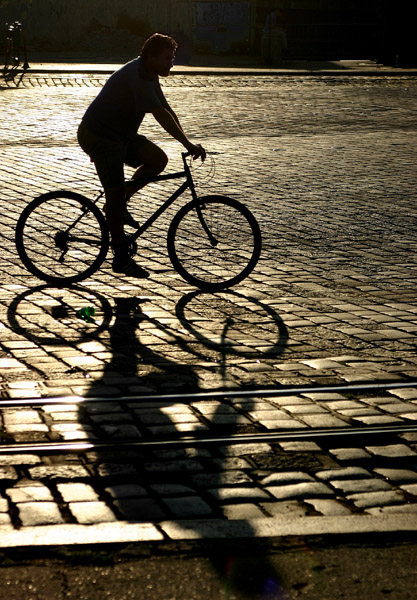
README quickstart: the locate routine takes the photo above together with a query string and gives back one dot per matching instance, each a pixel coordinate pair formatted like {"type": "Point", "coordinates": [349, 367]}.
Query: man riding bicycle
{"type": "Point", "coordinates": [108, 134]}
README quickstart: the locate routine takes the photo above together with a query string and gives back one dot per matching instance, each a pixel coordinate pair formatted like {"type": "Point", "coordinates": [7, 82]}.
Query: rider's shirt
{"type": "Point", "coordinates": [119, 109]}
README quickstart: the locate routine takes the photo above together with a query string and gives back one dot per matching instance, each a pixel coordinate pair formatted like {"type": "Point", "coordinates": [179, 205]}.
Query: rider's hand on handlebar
{"type": "Point", "coordinates": [197, 151]}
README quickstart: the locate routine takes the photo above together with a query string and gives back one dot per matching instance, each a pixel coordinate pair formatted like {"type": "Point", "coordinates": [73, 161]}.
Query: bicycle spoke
{"type": "Point", "coordinates": [216, 244]}
{"type": "Point", "coordinates": [60, 238]}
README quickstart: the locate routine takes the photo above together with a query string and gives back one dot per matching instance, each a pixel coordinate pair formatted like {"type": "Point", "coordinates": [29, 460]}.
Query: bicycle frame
{"type": "Point", "coordinates": [188, 184]}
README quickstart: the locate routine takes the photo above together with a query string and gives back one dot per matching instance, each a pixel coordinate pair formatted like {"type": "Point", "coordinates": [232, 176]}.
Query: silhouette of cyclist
{"type": "Point", "coordinates": [108, 133]}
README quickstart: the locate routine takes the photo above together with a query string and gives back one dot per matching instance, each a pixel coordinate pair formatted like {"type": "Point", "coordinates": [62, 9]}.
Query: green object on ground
{"type": "Point", "coordinates": [86, 313]}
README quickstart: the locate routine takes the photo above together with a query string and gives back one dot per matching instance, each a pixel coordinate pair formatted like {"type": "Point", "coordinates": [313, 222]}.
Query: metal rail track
{"type": "Point", "coordinates": [189, 442]}
{"type": "Point", "coordinates": [191, 397]}
{"type": "Point", "coordinates": [196, 441]}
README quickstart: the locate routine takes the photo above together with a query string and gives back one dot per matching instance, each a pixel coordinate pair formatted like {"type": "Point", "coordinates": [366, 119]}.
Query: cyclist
{"type": "Point", "coordinates": [108, 134]}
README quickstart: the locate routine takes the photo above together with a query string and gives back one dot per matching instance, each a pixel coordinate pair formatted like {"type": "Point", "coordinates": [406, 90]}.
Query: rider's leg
{"type": "Point", "coordinates": [149, 161]}
{"type": "Point", "coordinates": [108, 157]}
{"type": "Point", "coordinates": [115, 198]}
{"type": "Point", "coordinates": [122, 261]}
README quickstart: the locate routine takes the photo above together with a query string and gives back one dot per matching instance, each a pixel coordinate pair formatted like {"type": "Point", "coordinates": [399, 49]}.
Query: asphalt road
{"type": "Point", "coordinates": [316, 569]}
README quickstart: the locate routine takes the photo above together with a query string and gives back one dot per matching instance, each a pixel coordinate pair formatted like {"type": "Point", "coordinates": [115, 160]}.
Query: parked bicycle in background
{"type": "Point", "coordinates": [16, 51]}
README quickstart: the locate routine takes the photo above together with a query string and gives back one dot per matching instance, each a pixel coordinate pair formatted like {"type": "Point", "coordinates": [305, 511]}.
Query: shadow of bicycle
{"type": "Point", "coordinates": [206, 339]}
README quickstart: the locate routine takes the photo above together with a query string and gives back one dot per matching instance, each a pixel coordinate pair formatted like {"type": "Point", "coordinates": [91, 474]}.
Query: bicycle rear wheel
{"type": "Point", "coordinates": [62, 237]}
{"type": "Point", "coordinates": [215, 243]}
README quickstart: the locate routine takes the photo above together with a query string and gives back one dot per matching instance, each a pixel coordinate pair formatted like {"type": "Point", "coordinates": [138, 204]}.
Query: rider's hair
{"type": "Point", "coordinates": [156, 43]}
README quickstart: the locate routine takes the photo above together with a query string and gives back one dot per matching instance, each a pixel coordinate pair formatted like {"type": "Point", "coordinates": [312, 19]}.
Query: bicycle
{"type": "Point", "coordinates": [14, 47]}
{"type": "Point", "coordinates": [214, 242]}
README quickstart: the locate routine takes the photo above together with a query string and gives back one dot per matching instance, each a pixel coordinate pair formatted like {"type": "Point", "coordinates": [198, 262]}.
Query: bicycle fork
{"type": "Point", "coordinates": [199, 207]}
{"type": "Point", "coordinates": [199, 210]}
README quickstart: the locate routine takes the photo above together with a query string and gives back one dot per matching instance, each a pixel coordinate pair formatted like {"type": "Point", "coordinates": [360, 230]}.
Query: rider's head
{"type": "Point", "coordinates": [158, 53]}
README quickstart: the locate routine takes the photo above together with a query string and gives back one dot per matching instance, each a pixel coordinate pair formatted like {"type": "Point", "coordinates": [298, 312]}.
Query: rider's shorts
{"type": "Point", "coordinates": [109, 156]}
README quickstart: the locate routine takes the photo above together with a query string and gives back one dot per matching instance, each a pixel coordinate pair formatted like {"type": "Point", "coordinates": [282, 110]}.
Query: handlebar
{"type": "Point", "coordinates": [187, 154]}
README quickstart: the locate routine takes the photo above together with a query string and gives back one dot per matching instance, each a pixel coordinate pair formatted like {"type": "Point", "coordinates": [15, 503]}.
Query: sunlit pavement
{"type": "Point", "coordinates": [327, 165]}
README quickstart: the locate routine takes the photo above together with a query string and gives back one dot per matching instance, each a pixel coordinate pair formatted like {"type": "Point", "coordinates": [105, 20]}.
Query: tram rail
{"type": "Point", "coordinates": [191, 397]}
{"type": "Point", "coordinates": [190, 442]}
{"type": "Point", "coordinates": [365, 431]}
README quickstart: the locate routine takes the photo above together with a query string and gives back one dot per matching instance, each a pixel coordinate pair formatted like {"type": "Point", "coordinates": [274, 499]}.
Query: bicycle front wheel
{"type": "Point", "coordinates": [214, 243]}
{"type": "Point", "coordinates": [62, 237]}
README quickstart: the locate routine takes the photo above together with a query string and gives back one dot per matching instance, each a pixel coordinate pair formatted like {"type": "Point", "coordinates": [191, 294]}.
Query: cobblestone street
{"type": "Point", "coordinates": [327, 165]}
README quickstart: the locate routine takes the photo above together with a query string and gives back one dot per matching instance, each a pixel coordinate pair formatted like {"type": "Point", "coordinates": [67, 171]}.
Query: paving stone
{"type": "Point", "coordinates": [29, 493]}
{"type": "Point", "coordinates": [116, 470]}
{"type": "Point", "coordinates": [393, 509]}
{"type": "Point", "coordinates": [8, 474]}
{"type": "Point", "coordinates": [397, 475]}
{"type": "Point", "coordinates": [19, 459]}
{"type": "Point", "coordinates": [378, 420]}
{"type": "Point", "coordinates": [349, 486]}
{"type": "Point", "coordinates": [166, 430]}
{"type": "Point", "coordinates": [329, 507]}
{"type": "Point", "coordinates": [300, 490]}
{"type": "Point", "coordinates": [69, 436]}
{"type": "Point", "coordinates": [227, 464]}
{"type": "Point", "coordinates": [67, 416]}
{"type": "Point", "coordinates": [26, 428]}
{"type": "Point", "coordinates": [343, 473]}
{"type": "Point", "coordinates": [142, 509]}
{"type": "Point", "coordinates": [291, 509]}
{"type": "Point", "coordinates": [21, 417]}
{"type": "Point", "coordinates": [322, 363]}
{"type": "Point", "coordinates": [4, 505]}
{"type": "Point", "coordinates": [121, 431]}
{"type": "Point", "coordinates": [221, 478]}
{"type": "Point", "coordinates": [269, 415]}
{"type": "Point", "coordinates": [410, 488]}
{"type": "Point", "coordinates": [182, 453]}
{"type": "Point", "coordinates": [77, 492]}
{"type": "Point", "coordinates": [382, 498]}
{"type": "Point", "coordinates": [58, 472]}
{"type": "Point", "coordinates": [322, 421]}
{"type": "Point", "coordinates": [409, 416]}
{"type": "Point", "coordinates": [244, 449]}
{"type": "Point", "coordinates": [304, 409]}
{"type": "Point", "coordinates": [112, 418]}
{"type": "Point", "coordinates": [300, 446]}
{"type": "Point", "coordinates": [406, 393]}
{"type": "Point", "coordinates": [400, 408]}
{"type": "Point", "coordinates": [90, 513]}
{"type": "Point", "coordinates": [350, 454]}
{"type": "Point", "coordinates": [238, 494]}
{"type": "Point", "coordinates": [173, 466]}
{"type": "Point", "coordinates": [343, 404]}
{"type": "Point", "coordinates": [128, 490]}
{"type": "Point", "coordinates": [392, 451]}
{"type": "Point", "coordinates": [5, 520]}
{"type": "Point", "coordinates": [188, 507]}
{"type": "Point", "coordinates": [39, 513]}
{"type": "Point", "coordinates": [243, 511]}
{"type": "Point", "coordinates": [286, 477]}
{"type": "Point", "coordinates": [171, 489]}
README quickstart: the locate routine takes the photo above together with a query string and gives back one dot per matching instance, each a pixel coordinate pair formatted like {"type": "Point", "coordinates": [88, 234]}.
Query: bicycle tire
{"type": "Point", "coordinates": [62, 237]}
{"type": "Point", "coordinates": [229, 257]}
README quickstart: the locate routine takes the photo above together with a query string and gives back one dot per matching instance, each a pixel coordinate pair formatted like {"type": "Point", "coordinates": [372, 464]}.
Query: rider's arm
{"type": "Point", "coordinates": [176, 119]}
{"type": "Point", "coordinates": [169, 121]}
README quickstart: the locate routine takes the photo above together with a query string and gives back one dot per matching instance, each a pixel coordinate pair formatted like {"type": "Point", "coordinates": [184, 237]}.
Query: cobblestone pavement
{"type": "Point", "coordinates": [328, 167]}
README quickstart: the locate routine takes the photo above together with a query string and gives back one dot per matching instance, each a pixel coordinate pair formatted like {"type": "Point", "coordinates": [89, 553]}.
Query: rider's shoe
{"type": "Point", "coordinates": [124, 263]}
{"type": "Point", "coordinates": [129, 220]}
{"type": "Point", "coordinates": [130, 268]}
